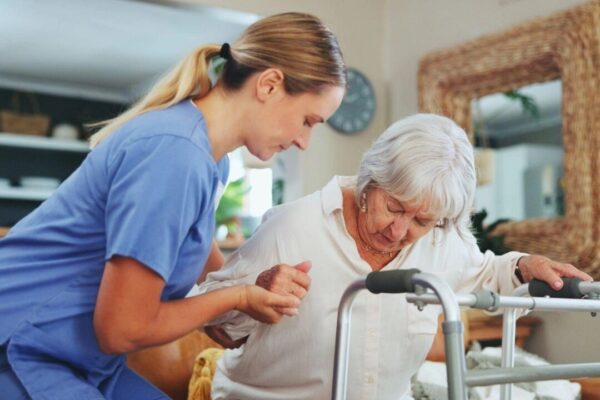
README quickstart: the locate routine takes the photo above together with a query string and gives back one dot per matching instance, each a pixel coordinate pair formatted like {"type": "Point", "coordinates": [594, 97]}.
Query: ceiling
{"type": "Point", "coordinates": [103, 49]}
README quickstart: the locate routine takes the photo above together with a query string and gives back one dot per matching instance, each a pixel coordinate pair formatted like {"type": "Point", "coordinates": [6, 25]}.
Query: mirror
{"type": "Point", "coordinates": [519, 153]}
{"type": "Point", "coordinates": [566, 47]}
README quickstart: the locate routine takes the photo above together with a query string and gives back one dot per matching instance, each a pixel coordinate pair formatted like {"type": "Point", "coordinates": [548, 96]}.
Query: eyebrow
{"type": "Point", "coordinates": [404, 206]}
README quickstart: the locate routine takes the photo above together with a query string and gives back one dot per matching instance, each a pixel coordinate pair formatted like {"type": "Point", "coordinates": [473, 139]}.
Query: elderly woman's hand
{"type": "Point", "coordinates": [285, 279]}
{"type": "Point", "coordinates": [218, 334]}
{"type": "Point", "coordinates": [549, 271]}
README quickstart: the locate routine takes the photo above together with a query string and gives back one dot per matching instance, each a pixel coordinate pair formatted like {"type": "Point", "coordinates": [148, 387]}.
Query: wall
{"type": "Point", "coordinates": [360, 30]}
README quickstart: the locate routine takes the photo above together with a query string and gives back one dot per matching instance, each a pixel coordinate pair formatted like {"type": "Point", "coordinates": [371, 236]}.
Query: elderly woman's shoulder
{"type": "Point", "coordinates": [305, 210]}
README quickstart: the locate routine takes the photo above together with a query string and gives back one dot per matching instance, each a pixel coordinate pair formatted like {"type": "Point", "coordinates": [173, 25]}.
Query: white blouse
{"type": "Point", "coordinates": [293, 359]}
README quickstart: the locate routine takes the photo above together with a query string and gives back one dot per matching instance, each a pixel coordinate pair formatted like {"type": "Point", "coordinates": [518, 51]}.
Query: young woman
{"type": "Point", "coordinates": [102, 267]}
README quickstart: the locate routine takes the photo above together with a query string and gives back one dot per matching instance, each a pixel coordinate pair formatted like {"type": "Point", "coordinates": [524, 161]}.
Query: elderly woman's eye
{"type": "Point", "coordinates": [395, 209]}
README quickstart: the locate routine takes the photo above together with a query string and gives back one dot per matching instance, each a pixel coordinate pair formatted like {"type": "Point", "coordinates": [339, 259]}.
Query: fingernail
{"type": "Point", "coordinates": [558, 284]}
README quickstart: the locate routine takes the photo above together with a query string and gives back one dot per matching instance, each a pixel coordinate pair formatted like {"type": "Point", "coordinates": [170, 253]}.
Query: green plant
{"type": "Point", "coordinates": [231, 204]}
{"type": "Point", "coordinates": [483, 234]}
{"type": "Point", "coordinates": [528, 103]}
{"type": "Point", "coordinates": [528, 107]}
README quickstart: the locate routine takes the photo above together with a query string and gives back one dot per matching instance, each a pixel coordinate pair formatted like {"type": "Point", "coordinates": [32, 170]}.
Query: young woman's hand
{"type": "Point", "coordinates": [266, 306]}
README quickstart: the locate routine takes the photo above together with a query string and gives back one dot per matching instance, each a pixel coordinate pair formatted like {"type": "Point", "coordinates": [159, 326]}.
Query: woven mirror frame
{"type": "Point", "coordinates": [563, 46]}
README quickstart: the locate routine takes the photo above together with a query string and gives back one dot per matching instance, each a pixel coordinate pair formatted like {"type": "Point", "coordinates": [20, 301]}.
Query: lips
{"type": "Point", "coordinates": [386, 239]}
{"type": "Point", "coordinates": [387, 242]}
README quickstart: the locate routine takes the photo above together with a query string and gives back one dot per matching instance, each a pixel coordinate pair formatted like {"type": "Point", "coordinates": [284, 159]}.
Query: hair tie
{"type": "Point", "coordinates": [225, 51]}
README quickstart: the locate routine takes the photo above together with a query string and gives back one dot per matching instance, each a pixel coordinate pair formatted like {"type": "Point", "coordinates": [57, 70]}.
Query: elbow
{"type": "Point", "coordinates": [113, 344]}
{"type": "Point", "coordinates": [113, 341]}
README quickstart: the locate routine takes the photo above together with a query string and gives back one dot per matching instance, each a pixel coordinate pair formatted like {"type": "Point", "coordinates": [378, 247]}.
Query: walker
{"type": "Point", "coordinates": [576, 295]}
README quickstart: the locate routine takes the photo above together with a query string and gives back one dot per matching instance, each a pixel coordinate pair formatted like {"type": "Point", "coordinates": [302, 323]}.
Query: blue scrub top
{"type": "Point", "coordinates": [149, 192]}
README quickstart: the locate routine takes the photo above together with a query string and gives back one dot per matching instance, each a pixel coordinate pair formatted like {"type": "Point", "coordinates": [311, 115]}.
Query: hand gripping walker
{"type": "Point", "coordinates": [414, 284]}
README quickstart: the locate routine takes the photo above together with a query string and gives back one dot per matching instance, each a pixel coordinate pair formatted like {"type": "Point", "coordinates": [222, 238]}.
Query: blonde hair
{"type": "Point", "coordinates": [298, 44]}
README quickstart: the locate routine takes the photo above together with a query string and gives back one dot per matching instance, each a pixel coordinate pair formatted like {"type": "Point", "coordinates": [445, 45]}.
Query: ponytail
{"type": "Point", "coordinates": [189, 78]}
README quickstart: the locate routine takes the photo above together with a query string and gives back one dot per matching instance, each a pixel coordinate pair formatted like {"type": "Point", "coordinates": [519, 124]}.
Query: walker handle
{"type": "Point", "coordinates": [397, 281]}
{"type": "Point", "coordinates": [570, 289]}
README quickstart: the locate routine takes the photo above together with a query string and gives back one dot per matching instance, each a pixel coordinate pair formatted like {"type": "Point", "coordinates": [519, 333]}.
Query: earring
{"type": "Point", "coordinates": [363, 202]}
{"type": "Point", "coordinates": [441, 224]}
{"type": "Point", "coordinates": [434, 239]}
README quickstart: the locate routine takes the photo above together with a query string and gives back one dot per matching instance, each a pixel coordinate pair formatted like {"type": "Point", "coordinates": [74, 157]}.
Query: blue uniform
{"type": "Point", "coordinates": [148, 192]}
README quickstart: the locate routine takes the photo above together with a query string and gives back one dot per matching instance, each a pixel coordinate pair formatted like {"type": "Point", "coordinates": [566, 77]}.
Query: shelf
{"type": "Point", "coordinates": [20, 193]}
{"type": "Point", "coordinates": [39, 142]}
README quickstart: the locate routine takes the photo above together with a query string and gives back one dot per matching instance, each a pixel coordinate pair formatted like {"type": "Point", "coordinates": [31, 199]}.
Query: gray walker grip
{"type": "Point", "coordinates": [397, 281]}
{"type": "Point", "coordinates": [570, 289]}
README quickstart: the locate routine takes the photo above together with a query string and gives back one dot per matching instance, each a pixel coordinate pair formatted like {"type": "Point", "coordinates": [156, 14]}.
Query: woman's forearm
{"type": "Point", "coordinates": [178, 317]}
{"type": "Point", "coordinates": [130, 315]}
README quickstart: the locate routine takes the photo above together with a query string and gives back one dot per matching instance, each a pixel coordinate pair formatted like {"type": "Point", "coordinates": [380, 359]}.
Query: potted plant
{"type": "Point", "coordinates": [229, 208]}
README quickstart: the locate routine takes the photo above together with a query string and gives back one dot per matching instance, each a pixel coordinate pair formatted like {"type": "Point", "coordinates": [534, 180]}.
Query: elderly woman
{"type": "Point", "coordinates": [408, 208]}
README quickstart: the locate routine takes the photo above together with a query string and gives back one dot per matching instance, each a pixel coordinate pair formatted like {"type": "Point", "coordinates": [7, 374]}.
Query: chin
{"type": "Point", "coordinates": [259, 159]}
{"type": "Point", "coordinates": [266, 156]}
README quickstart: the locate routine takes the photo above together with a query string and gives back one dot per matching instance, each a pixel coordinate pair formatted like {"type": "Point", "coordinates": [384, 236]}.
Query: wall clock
{"type": "Point", "coordinates": [358, 105]}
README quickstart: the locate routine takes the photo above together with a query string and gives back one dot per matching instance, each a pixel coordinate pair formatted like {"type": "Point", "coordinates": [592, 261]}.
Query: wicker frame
{"type": "Point", "coordinates": [566, 46]}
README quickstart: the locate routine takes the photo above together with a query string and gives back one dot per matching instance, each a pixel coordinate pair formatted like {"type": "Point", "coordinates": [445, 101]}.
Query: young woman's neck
{"type": "Point", "coordinates": [223, 115]}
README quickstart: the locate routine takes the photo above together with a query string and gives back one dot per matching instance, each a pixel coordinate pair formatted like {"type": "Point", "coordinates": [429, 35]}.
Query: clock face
{"type": "Point", "coordinates": [358, 105]}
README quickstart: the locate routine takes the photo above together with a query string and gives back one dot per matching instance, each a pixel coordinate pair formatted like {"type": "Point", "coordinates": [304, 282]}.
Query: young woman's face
{"type": "Point", "coordinates": [288, 120]}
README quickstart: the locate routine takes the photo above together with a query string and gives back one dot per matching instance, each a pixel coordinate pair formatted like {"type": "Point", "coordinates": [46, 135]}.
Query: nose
{"type": "Point", "coordinates": [302, 141]}
{"type": "Point", "coordinates": [399, 227]}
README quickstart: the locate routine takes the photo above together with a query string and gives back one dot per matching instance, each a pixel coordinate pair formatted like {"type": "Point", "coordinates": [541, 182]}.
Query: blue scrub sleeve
{"type": "Point", "coordinates": [159, 187]}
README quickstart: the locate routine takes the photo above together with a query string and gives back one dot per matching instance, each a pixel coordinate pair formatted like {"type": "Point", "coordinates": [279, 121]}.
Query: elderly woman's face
{"type": "Point", "coordinates": [389, 224]}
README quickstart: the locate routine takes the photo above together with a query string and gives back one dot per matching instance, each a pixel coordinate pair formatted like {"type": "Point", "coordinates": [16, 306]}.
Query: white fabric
{"type": "Point", "coordinates": [390, 338]}
{"type": "Point", "coordinates": [491, 357]}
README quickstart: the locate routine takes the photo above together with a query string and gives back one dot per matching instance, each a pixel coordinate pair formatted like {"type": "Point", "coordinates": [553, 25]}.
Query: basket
{"type": "Point", "coordinates": [15, 121]}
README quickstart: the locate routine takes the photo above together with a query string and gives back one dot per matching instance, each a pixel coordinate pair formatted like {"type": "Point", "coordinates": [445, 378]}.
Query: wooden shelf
{"type": "Point", "coordinates": [590, 388]}
{"type": "Point", "coordinates": [40, 142]}
{"type": "Point", "coordinates": [483, 327]}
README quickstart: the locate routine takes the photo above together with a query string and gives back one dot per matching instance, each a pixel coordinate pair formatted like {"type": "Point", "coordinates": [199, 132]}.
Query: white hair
{"type": "Point", "coordinates": [424, 158]}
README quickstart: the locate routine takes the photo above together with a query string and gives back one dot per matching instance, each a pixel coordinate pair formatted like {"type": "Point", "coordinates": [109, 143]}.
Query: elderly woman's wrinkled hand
{"type": "Point", "coordinates": [285, 279]}
{"type": "Point", "coordinates": [549, 271]}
